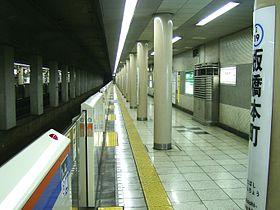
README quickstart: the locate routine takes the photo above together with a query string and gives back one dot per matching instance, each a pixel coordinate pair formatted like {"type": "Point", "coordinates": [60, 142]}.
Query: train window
{"type": "Point", "coordinates": [228, 75]}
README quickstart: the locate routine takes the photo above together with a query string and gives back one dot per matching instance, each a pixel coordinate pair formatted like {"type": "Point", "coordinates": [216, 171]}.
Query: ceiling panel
{"type": "Point", "coordinates": [186, 13]}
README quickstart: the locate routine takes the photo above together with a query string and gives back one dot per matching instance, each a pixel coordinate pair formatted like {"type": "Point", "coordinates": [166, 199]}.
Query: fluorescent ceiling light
{"type": "Point", "coordinates": [217, 13]}
{"type": "Point", "coordinates": [22, 64]}
{"type": "Point", "coordinates": [176, 38]}
{"type": "Point", "coordinates": [129, 9]}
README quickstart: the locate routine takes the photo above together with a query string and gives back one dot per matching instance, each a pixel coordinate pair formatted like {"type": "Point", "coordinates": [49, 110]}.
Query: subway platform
{"type": "Point", "coordinates": [205, 169]}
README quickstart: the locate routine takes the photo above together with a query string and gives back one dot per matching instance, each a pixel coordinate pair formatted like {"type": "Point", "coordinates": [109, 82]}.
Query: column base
{"type": "Point", "coordinates": [133, 107]}
{"type": "Point", "coordinates": [162, 146]}
{"type": "Point", "coordinates": [142, 118]}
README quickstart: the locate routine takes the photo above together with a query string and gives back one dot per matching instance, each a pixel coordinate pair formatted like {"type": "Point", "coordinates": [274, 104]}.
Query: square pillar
{"type": "Point", "coordinates": [64, 84]}
{"type": "Point", "coordinates": [7, 88]}
{"type": "Point", "coordinates": [72, 82]}
{"type": "Point", "coordinates": [78, 82]}
{"type": "Point", "coordinates": [53, 90]}
{"type": "Point", "coordinates": [36, 85]}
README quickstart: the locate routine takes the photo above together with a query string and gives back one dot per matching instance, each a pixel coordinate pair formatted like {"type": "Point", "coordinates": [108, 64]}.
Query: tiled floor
{"type": "Point", "coordinates": [206, 168]}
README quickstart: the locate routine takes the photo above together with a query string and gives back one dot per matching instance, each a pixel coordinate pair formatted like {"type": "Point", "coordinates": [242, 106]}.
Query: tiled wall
{"type": "Point", "coordinates": [186, 101]}
{"type": "Point", "coordinates": [235, 117]}
{"type": "Point", "coordinates": [235, 49]}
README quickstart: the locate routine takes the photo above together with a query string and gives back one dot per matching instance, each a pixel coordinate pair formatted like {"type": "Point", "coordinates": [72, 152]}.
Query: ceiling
{"type": "Point", "coordinates": [85, 33]}
{"type": "Point", "coordinates": [186, 13]}
{"type": "Point", "coordinates": [68, 31]}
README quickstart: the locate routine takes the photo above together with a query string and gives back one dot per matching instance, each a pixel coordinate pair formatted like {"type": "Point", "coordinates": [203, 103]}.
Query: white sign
{"type": "Point", "coordinates": [228, 75]}
{"type": "Point", "coordinates": [261, 108]}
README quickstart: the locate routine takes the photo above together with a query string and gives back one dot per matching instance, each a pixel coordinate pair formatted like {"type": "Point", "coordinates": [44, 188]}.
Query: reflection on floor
{"type": "Point", "coordinates": [206, 168]}
{"type": "Point", "coordinates": [129, 190]}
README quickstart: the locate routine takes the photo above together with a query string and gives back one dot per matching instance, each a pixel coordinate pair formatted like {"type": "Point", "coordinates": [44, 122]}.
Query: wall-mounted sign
{"type": "Point", "coordinates": [189, 83]}
{"type": "Point", "coordinates": [228, 75]}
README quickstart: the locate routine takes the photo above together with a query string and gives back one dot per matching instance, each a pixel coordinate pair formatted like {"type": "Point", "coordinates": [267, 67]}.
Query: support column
{"type": "Point", "coordinates": [128, 99]}
{"type": "Point", "coordinates": [133, 88]}
{"type": "Point", "coordinates": [77, 82]}
{"type": "Point", "coordinates": [86, 81]}
{"type": "Point", "coordinates": [264, 145]}
{"type": "Point", "coordinates": [163, 27]}
{"type": "Point", "coordinates": [64, 83]}
{"type": "Point", "coordinates": [7, 88]}
{"type": "Point", "coordinates": [118, 79]}
{"type": "Point", "coordinates": [121, 74]}
{"type": "Point", "coordinates": [53, 89]}
{"type": "Point", "coordinates": [82, 82]}
{"type": "Point", "coordinates": [125, 81]}
{"type": "Point", "coordinates": [36, 86]}
{"type": "Point", "coordinates": [20, 77]}
{"type": "Point", "coordinates": [90, 81]}
{"type": "Point", "coordinates": [72, 82]}
{"type": "Point", "coordinates": [142, 61]}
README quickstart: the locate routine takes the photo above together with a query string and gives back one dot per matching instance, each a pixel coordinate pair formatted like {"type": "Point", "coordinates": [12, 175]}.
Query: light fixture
{"type": "Point", "coordinates": [22, 64]}
{"type": "Point", "coordinates": [217, 13]}
{"type": "Point", "coordinates": [129, 9]}
{"type": "Point", "coordinates": [176, 38]}
{"type": "Point", "coordinates": [152, 53]}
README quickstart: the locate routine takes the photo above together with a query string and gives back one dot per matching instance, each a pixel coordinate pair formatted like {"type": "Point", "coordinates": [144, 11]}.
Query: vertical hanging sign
{"type": "Point", "coordinates": [261, 108]}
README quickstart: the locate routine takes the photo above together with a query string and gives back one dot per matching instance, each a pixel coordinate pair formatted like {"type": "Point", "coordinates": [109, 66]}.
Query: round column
{"type": "Point", "coordinates": [133, 87]}
{"type": "Point", "coordinates": [128, 81]}
{"type": "Point", "coordinates": [122, 81]}
{"type": "Point", "coordinates": [163, 27]}
{"type": "Point", "coordinates": [142, 62]}
{"type": "Point", "coordinates": [125, 81]}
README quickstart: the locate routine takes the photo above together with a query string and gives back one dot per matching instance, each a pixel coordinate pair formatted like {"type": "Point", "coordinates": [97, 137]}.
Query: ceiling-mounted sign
{"type": "Point", "coordinates": [261, 108]}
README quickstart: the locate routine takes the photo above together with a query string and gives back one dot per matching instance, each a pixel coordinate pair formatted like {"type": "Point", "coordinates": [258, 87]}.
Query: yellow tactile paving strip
{"type": "Point", "coordinates": [111, 117]}
{"type": "Point", "coordinates": [155, 195]}
{"type": "Point", "coordinates": [110, 208]}
{"type": "Point", "coordinates": [111, 139]}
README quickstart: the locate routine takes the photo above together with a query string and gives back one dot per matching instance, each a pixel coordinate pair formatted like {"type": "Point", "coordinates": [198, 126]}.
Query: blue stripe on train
{"type": "Point", "coordinates": [52, 191]}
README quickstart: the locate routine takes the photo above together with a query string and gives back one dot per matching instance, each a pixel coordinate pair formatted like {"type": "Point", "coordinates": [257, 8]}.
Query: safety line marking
{"type": "Point", "coordinates": [111, 139]}
{"type": "Point", "coordinates": [111, 208]}
{"type": "Point", "coordinates": [154, 192]}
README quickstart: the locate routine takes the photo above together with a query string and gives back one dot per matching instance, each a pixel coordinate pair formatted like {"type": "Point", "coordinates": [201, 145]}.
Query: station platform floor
{"type": "Point", "coordinates": [205, 169]}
